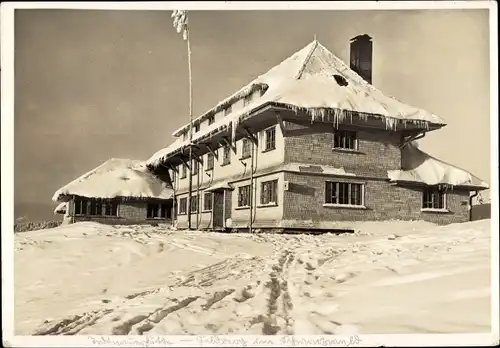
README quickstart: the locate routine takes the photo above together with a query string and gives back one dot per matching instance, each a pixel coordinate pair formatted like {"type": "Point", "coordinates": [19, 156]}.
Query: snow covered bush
{"type": "Point", "coordinates": [33, 226]}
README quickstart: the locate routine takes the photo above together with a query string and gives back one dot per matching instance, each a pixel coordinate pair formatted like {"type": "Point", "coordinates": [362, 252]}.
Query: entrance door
{"type": "Point", "coordinates": [218, 210]}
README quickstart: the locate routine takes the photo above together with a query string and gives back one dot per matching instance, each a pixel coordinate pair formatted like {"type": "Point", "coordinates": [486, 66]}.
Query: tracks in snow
{"type": "Point", "coordinates": [278, 317]}
{"type": "Point", "coordinates": [199, 294]}
{"type": "Point", "coordinates": [73, 324]}
{"type": "Point", "coordinates": [235, 295]}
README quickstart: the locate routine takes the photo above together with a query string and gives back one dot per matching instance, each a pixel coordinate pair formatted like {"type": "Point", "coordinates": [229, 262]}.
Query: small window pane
{"type": "Point", "coordinates": [343, 193]}
{"type": "Point", "coordinates": [207, 201]}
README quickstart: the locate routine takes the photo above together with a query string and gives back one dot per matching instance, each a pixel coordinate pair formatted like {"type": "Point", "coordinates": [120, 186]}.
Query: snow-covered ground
{"type": "Point", "coordinates": [393, 277]}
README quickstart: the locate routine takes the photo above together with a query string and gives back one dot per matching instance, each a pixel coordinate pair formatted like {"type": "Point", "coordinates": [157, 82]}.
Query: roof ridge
{"type": "Point", "coordinates": [303, 67]}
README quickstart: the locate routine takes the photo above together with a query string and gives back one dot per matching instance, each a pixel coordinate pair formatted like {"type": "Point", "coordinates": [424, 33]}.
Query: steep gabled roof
{"type": "Point", "coordinates": [420, 167]}
{"type": "Point", "coordinates": [116, 178]}
{"type": "Point", "coordinates": [286, 69]}
{"type": "Point", "coordinates": [316, 81]}
{"type": "Point", "coordinates": [306, 80]}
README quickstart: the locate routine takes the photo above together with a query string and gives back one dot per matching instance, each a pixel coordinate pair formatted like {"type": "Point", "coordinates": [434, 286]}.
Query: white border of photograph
{"type": "Point", "coordinates": [7, 175]}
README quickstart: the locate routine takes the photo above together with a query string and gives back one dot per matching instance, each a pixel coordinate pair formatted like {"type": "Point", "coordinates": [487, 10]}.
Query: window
{"type": "Point", "coordinates": [247, 100]}
{"type": "Point", "coordinates": [110, 208]}
{"type": "Point", "coordinates": [196, 128]}
{"type": "Point", "coordinates": [91, 208]}
{"type": "Point", "coordinates": [210, 161]}
{"type": "Point", "coordinates": [195, 167]}
{"type": "Point", "coordinates": [268, 192]}
{"type": "Point", "coordinates": [228, 110]}
{"type": "Point", "coordinates": [270, 142]}
{"type": "Point", "coordinates": [345, 140]}
{"type": "Point", "coordinates": [183, 205]}
{"type": "Point", "coordinates": [244, 196]}
{"type": "Point", "coordinates": [114, 208]}
{"type": "Point", "coordinates": [78, 206]}
{"type": "Point", "coordinates": [211, 119]}
{"type": "Point", "coordinates": [433, 199]}
{"type": "Point", "coordinates": [246, 148]}
{"type": "Point", "coordinates": [184, 135]}
{"type": "Point", "coordinates": [343, 193]}
{"type": "Point", "coordinates": [95, 207]}
{"type": "Point", "coordinates": [158, 210]}
{"type": "Point", "coordinates": [193, 205]}
{"type": "Point", "coordinates": [183, 171]}
{"type": "Point", "coordinates": [100, 206]}
{"type": "Point", "coordinates": [226, 155]}
{"type": "Point", "coordinates": [82, 206]}
{"type": "Point", "coordinates": [152, 210]}
{"type": "Point", "coordinates": [207, 201]}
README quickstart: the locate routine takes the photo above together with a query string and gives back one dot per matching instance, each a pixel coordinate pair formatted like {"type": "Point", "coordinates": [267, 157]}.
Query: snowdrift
{"type": "Point", "coordinates": [155, 281]}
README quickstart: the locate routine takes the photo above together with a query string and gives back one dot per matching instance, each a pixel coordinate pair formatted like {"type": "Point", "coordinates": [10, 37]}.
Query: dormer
{"type": "Point", "coordinates": [247, 99]}
{"type": "Point", "coordinates": [211, 119]}
{"type": "Point", "coordinates": [228, 109]}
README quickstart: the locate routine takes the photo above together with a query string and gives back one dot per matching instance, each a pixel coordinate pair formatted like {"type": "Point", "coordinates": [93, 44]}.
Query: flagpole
{"type": "Point", "coordinates": [190, 127]}
{"type": "Point", "coordinates": [180, 22]}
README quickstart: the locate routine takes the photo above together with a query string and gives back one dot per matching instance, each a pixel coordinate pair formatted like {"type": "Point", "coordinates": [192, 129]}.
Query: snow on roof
{"type": "Point", "coordinates": [309, 80]}
{"type": "Point", "coordinates": [117, 178]}
{"type": "Point", "coordinates": [61, 208]}
{"type": "Point", "coordinates": [286, 69]}
{"type": "Point", "coordinates": [418, 166]}
{"type": "Point", "coordinates": [158, 155]}
{"type": "Point", "coordinates": [225, 122]}
{"type": "Point", "coordinates": [292, 84]}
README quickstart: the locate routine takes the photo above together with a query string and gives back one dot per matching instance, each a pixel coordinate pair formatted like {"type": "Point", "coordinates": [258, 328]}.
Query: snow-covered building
{"type": "Point", "coordinates": [119, 191]}
{"type": "Point", "coordinates": [312, 144]}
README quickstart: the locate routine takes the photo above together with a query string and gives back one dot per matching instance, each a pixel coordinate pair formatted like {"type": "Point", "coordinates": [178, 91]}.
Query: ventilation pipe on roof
{"type": "Point", "coordinates": [361, 56]}
{"type": "Point", "coordinates": [470, 204]}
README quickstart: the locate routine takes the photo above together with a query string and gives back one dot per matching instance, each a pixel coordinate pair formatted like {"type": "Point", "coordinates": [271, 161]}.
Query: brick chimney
{"type": "Point", "coordinates": [361, 56]}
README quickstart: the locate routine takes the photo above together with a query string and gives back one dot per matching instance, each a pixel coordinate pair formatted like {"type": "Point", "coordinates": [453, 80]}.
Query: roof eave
{"type": "Point", "coordinates": [241, 93]}
{"type": "Point", "coordinates": [469, 187]}
{"type": "Point", "coordinates": [259, 109]}
{"type": "Point", "coordinates": [70, 196]}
